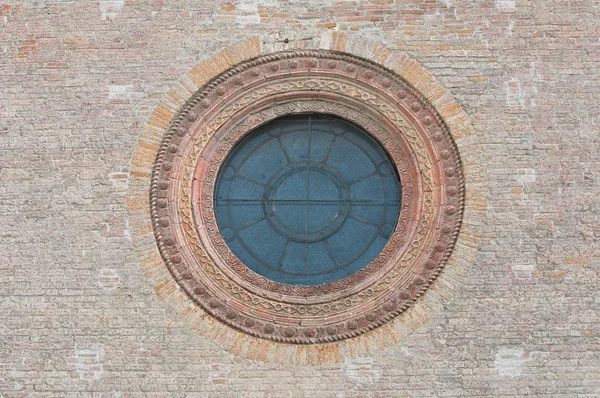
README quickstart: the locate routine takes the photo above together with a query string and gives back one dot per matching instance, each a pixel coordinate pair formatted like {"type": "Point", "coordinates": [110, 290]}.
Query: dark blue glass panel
{"type": "Point", "coordinates": [307, 200]}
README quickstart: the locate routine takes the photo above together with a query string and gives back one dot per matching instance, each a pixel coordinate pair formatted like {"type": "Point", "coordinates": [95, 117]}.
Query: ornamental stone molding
{"type": "Point", "coordinates": [428, 138]}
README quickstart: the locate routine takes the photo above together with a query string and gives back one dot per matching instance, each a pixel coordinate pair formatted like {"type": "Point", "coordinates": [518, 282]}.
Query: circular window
{"type": "Point", "coordinates": [306, 197]}
{"type": "Point", "coordinates": [307, 200]}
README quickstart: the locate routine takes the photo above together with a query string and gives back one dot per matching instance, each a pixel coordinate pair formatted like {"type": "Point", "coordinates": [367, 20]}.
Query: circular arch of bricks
{"type": "Point", "coordinates": [390, 333]}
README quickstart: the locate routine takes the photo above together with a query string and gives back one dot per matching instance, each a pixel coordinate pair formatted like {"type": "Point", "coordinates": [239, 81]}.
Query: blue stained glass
{"type": "Point", "coordinates": [307, 200]}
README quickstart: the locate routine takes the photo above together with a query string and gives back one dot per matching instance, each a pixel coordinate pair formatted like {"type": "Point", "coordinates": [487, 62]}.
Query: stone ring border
{"type": "Point", "coordinates": [465, 248]}
{"type": "Point", "coordinates": [404, 225]}
{"type": "Point", "coordinates": [304, 291]}
{"type": "Point", "coordinates": [315, 332]}
{"type": "Point", "coordinates": [321, 71]}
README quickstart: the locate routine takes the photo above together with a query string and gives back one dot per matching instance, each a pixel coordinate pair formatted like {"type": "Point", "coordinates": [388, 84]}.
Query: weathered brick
{"type": "Point", "coordinates": [83, 106]}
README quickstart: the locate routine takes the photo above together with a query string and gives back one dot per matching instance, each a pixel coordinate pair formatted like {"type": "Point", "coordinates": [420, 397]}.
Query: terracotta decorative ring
{"type": "Point", "coordinates": [223, 112]}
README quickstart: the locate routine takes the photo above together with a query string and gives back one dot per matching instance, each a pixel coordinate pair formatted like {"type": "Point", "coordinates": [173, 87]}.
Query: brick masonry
{"type": "Point", "coordinates": [79, 313]}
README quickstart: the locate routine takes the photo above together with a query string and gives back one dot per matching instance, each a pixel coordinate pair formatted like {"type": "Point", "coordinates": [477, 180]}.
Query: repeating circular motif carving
{"type": "Point", "coordinates": [255, 92]}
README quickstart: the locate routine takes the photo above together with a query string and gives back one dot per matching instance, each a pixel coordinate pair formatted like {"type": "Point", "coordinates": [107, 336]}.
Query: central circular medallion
{"type": "Point", "coordinates": [307, 200]}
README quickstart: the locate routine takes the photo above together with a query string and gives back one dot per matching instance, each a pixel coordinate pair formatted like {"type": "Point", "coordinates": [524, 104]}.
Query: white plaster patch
{"type": "Point", "coordinates": [526, 176]}
{"type": "Point", "coordinates": [127, 230]}
{"type": "Point", "coordinates": [361, 371]}
{"type": "Point", "coordinates": [326, 40]}
{"type": "Point", "coordinates": [505, 4]}
{"type": "Point", "coordinates": [89, 361]}
{"type": "Point", "coordinates": [510, 27]}
{"type": "Point", "coordinates": [119, 91]}
{"type": "Point", "coordinates": [510, 361]}
{"type": "Point", "coordinates": [248, 13]}
{"type": "Point", "coordinates": [110, 8]}
{"type": "Point", "coordinates": [244, 20]}
{"type": "Point", "coordinates": [120, 180]}
{"type": "Point", "coordinates": [523, 271]}
{"type": "Point", "coordinates": [108, 279]}
{"type": "Point", "coordinates": [514, 93]}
